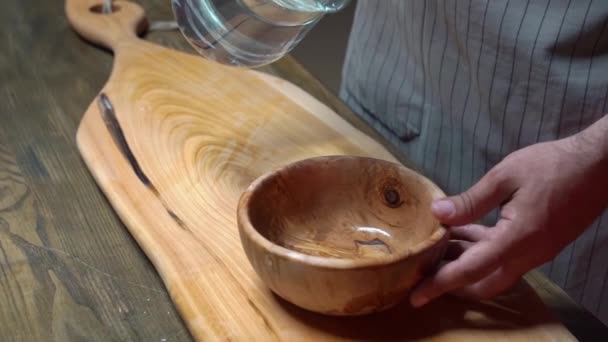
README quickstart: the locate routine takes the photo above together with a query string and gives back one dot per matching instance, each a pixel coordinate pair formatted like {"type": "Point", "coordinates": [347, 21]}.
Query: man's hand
{"type": "Point", "coordinates": [548, 193]}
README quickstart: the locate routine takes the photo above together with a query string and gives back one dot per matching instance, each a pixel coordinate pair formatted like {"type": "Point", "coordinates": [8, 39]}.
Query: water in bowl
{"type": "Point", "coordinates": [343, 241]}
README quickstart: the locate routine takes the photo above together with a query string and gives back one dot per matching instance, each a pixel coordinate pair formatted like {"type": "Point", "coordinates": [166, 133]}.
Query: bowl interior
{"type": "Point", "coordinates": [344, 207]}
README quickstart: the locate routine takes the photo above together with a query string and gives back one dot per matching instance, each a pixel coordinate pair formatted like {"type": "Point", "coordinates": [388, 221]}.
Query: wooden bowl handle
{"type": "Point", "coordinates": [126, 21]}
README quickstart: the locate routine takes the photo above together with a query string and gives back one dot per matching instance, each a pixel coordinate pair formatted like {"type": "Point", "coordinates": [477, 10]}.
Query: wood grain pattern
{"type": "Point", "coordinates": [341, 235]}
{"type": "Point", "coordinates": [69, 270]}
{"type": "Point", "coordinates": [200, 133]}
{"type": "Point", "coordinates": [102, 287]}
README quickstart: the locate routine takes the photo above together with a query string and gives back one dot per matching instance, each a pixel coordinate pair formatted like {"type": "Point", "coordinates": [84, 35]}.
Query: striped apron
{"type": "Point", "coordinates": [458, 85]}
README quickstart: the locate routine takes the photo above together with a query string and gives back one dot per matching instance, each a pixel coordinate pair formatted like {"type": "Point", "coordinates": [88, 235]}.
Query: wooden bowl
{"type": "Point", "coordinates": [341, 235]}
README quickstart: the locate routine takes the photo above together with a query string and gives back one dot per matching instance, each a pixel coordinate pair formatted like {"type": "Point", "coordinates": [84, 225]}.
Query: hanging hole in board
{"type": "Point", "coordinates": [98, 9]}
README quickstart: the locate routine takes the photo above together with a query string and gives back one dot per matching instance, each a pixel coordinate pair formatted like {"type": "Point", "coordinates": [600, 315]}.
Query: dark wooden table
{"type": "Point", "coordinates": [69, 270]}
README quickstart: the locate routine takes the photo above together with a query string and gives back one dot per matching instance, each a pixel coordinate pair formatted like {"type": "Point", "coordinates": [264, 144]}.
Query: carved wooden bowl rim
{"type": "Point", "coordinates": [246, 226]}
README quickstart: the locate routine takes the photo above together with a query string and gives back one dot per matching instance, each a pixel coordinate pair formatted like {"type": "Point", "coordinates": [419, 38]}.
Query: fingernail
{"type": "Point", "coordinates": [418, 301]}
{"type": "Point", "coordinates": [443, 208]}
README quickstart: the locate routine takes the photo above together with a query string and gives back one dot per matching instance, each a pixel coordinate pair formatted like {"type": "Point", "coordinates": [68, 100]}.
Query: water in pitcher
{"type": "Point", "coordinates": [249, 33]}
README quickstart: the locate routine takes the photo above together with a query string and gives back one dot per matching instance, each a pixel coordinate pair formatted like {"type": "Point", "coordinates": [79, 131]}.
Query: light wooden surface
{"type": "Point", "coordinates": [173, 145]}
{"type": "Point", "coordinates": [69, 269]}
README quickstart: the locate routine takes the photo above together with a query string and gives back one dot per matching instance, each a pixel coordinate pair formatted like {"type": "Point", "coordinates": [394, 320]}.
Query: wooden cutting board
{"type": "Point", "coordinates": [173, 140]}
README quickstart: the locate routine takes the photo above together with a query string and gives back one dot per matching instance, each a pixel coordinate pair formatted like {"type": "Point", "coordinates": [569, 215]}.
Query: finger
{"type": "Point", "coordinates": [475, 263]}
{"type": "Point", "coordinates": [473, 204]}
{"type": "Point", "coordinates": [493, 285]}
{"type": "Point", "coordinates": [455, 248]}
{"type": "Point", "coordinates": [469, 232]}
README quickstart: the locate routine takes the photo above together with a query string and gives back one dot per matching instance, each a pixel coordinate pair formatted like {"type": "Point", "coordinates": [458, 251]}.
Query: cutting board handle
{"type": "Point", "coordinates": [126, 21]}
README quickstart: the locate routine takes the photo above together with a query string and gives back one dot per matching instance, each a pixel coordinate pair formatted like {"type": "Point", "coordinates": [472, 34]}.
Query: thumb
{"type": "Point", "coordinates": [476, 202]}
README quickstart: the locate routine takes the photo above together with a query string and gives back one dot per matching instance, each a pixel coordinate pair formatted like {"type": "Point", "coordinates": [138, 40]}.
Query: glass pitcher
{"type": "Point", "coordinates": [249, 33]}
